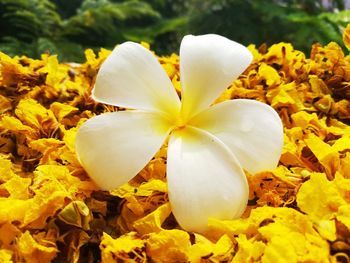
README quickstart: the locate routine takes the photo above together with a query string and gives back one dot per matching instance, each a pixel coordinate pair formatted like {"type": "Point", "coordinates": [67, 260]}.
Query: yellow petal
{"type": "Point", "coordinates": [269, 74]}
{"type": "Point", "coordinates": [319, 188]}
{"type": "Point", "coordinates": [6, 256]}
{"type": "Point", "coordinates": [204, 248]}
{"type": "Point", "coordinates": [341, 144]}
{"type": "Point", "coordinates": [69, 138]}
{"type": "Point", "coordinates": [168, 246]}
{"type": "Point", "coordinates": [8, 234]}
{"type": "Point", "coordinates": [18, 187]}
{"type": "Point", "coordinates": [6, 169]}
{"type": "Point", "coordinates": [153, 221]}
{"type": "Point", "coordinates": [326, 155]}
{"type": "Point", "coordinates": [268, 230]}
{"type": "Point", "coordinates": [15, 125]}
{"type": "Point", "coordinates": [327, 229]}
{"type": "Point", "coordinates": [62, 110]}
{"type": "Point", "coordinates": [334, 205]}
{"type": "Point", "coordinates": [145, 189]}
{"type": "Point", "coordinates": [248, 250]}
{"type": "Point", "coordinates": [32, 113]}
{"type": "Point", "coordinates": [343, 215]}
{"type": "Point", "coordinates": [346, 36]}
{"type": "Point", "coordinates": [5, 104]}
{"type": "Point", "coordinates": [126, 247]}
{"type": "Point", "coordinates": [13, 210]}
{"type": "Point", "coordinates": [76, 213]}
{"type": "Point", "coordinates": [34, 252]}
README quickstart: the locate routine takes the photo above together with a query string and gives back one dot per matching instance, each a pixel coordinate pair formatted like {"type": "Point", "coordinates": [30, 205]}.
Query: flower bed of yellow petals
{"type": "Point", "coordinates": [51, 211]}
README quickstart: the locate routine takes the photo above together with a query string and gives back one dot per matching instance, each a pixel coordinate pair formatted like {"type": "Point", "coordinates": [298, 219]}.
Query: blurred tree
{"type": "Point", "coordinates": [28, 19]}
{"type": "Point", "coordinates": [66, 8]}
{"type": "Point", "coordinates": [301, 22]}
{"type": "Point", "coordinates": [32, 27]}
{"type": "Point", "coordinates": [173, 25]}
{"type": "Point", "coordinates": [64, 27]}
{"type": "Point", "coordinates": [106, 23]}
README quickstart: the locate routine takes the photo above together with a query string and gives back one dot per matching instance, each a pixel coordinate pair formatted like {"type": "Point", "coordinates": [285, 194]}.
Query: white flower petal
{"type": "Point", "coordinates": [208, 65]}
{"type": "Point", "coordinates": [114, 147]}
{"type": "Point", "coordinates": [251, 129]}
{"type": "Point", "coordinates": [204, 179]}
{"type": "Point", "coordinates": [132, 77]}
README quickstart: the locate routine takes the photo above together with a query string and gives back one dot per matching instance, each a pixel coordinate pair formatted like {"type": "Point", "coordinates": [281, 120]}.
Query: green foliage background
{"type": "Point", "coordinates": [67, 27]}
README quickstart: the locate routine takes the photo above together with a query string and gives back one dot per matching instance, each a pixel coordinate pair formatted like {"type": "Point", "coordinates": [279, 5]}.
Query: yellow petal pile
{"type": "Point", "coordinates": [51, 211]}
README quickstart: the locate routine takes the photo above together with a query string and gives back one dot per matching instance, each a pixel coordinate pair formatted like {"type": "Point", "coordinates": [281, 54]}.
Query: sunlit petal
{"type": "Point", "coordinates": [132, 77]}
{"type": "Point", "coordinates": [251, 129]}
{"type": "Point", "coordinates": [204, 179]}
{"type": "Point", "coordinates": [208, 65]}
{"type": "Point", "coordinates": [114, 147]}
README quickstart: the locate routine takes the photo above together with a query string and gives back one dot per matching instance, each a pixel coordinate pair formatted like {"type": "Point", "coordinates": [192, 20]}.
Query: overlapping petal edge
{"type": "Point", "coordinates": [209, 146]}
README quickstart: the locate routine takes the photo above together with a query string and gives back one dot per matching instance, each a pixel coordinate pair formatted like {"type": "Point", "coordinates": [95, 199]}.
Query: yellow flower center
{"type": "Point", "coordinates": [180, 122]}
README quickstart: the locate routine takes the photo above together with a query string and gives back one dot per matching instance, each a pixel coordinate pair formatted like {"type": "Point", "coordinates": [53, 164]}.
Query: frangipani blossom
{"type": "Point", "coordinates": [209, 145]}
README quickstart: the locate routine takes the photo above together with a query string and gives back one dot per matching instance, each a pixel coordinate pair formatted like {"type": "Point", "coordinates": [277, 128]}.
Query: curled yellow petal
{"type": "Point", "coordinates": [125, 248]}
{"type": "Point", "coordinates": [32, 251]}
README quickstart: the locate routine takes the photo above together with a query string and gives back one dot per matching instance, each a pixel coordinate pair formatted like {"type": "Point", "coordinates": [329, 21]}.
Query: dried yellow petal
{"type": "Point", "coordinates": [168, 246]}
{"type": "Point", "coordinates": [346, 37]}
{"type": "Point", "coordinates": [153, 221]}
{"type": "Point", "coordinates": [34, 252]}
{"type": "Point", "coordinates": [126, 248]}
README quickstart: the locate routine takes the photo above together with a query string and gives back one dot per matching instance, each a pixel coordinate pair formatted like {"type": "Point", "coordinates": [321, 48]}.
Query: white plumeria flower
{"type": "Point", "coordinates": [209, 145]}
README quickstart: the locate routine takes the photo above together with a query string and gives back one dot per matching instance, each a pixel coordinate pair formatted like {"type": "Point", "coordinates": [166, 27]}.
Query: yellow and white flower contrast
{"type": "Point", "coordinates": [209, 145]}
